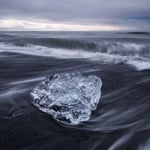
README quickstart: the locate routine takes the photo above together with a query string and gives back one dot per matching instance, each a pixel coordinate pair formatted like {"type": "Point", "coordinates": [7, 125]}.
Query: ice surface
{"type": "Point", "coordinates": [68, 97]}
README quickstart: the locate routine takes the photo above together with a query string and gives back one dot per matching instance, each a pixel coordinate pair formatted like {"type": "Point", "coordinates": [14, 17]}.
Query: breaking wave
{"type": "Point", "coordinates": [49, 42]}
{"type": "Point", "coordinates": [137, 55]}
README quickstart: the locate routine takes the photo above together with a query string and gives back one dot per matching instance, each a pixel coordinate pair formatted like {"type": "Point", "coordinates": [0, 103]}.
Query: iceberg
{"type": "Point", "coordinates": [69, 97]}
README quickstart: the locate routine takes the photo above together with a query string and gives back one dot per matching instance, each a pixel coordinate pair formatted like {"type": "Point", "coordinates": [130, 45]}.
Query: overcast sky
{"type": "Point", "coordinates": [102, 15]}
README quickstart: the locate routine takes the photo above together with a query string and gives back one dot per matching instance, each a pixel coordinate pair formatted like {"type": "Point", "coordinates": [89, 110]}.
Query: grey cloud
{"type": "Point", "coordinates": [79, 11]}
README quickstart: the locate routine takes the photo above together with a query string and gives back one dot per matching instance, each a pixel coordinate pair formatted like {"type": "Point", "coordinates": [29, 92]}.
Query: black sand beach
{"type": "Point", "coordinates": [121, 120]}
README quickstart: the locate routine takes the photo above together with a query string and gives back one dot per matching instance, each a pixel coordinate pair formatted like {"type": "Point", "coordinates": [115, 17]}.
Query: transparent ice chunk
{"type": "Point", "coordinates": [68, 97]}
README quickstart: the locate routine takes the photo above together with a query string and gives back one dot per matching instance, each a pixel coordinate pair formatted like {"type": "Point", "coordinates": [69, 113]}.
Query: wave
{"type": "Point", "coordinates": [132, 54]}
{"type": "Point", "coordinates": [67, 43]}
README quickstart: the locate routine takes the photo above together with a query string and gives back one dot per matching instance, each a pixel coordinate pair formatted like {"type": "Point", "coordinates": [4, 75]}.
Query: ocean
{"type": "Point", "coordinates": [122, 61]}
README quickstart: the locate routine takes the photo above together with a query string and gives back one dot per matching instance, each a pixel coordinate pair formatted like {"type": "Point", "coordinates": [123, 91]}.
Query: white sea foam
{"type": "Point", "coordinates": [140, 65]}
{"type": "Point", "coordinates": [122, 140]}
{"type": "Point", "coordinates": [145, 146]}
{"type": "Point", "coordinates": [139, 62]}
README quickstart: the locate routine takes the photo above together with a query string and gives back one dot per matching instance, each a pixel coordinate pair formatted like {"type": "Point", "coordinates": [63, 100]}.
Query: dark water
{"type": "Point", "coordinates": [122, 118]}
